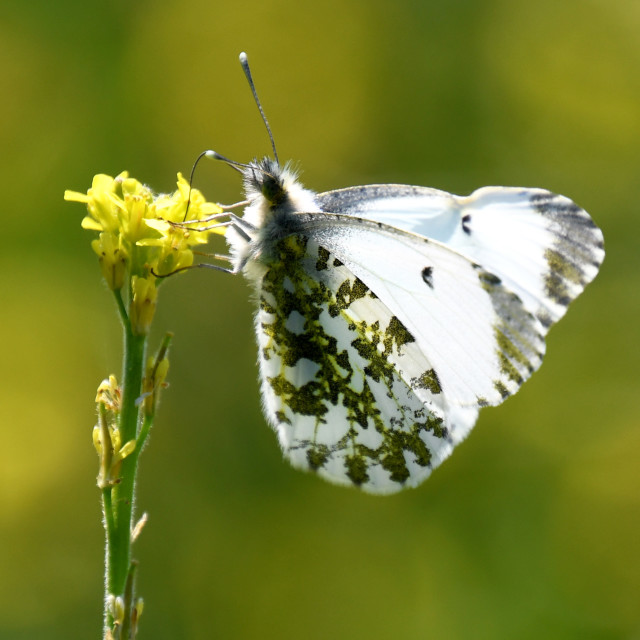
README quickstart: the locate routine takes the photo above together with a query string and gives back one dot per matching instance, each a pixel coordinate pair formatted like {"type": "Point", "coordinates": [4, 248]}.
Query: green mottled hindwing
{"type": "Point", "coordinates": [344, 384]}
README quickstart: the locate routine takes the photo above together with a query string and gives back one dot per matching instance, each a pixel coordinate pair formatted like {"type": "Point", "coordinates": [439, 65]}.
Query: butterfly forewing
{"type": "Point", "coordinates": [477, 334]}
{"type": "Point", "coordinates": [541, 245]}
{"type": "Point", "coordinates": [349, 391]}
{"type": "Point", "coordinates": [422, 210]}
{"type": "Point", "coordinates": [547, 248]}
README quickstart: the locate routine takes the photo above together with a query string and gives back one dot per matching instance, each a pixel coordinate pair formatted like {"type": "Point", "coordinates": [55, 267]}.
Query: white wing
{"type": "Point", "coordinates": [542, 246]}
{"type": "Point", "coordinates": [345, 385]}
{"type": "Point", "coordinates": [478, 336]}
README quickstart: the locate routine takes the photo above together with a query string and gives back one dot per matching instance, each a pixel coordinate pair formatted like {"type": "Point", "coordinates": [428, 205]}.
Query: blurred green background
{"type": "Point", "coordinates": [530, 530]}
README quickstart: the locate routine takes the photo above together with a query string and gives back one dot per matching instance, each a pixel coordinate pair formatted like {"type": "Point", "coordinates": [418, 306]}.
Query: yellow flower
{"type": "Point", "coordinates": [103, 202]}
{"type": "Point", "coordinates": [175, 241]}
{"type": "Point", "coordinates": [140, 230]}
{"type": "Point", "coordinates": [142, 236]}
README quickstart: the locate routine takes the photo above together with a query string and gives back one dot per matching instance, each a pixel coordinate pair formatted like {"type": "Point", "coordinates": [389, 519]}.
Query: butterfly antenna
{"type": "Point", "coordinates": [244, 61]}
{"type": "Point", "coordinates": [214, 155]}
{"type": "Point", "coordinates": [193, 170]}
{"type": "Point", "coordinates": [209, 153]}
{"type": "Point", "coordinates": [238, 166]}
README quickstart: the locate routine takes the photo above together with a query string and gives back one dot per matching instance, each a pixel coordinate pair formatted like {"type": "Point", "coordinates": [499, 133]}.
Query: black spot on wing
{"type": "Point", "coordinates": [427, 276]}
{"type": "Point", "coordinates": [466, 221]}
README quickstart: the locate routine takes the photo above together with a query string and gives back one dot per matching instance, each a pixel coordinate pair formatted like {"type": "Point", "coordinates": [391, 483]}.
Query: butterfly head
{"type": "Point", "coordinates": [275, 190]}
{"type": "Point", "coordinates": [266, 179]}
{"type": "Point", "coordinates": [275, 198]}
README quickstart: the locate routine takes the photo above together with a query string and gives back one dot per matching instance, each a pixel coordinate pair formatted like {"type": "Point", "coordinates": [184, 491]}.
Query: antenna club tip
{"type": "Point", "coordinates": [243, 58]}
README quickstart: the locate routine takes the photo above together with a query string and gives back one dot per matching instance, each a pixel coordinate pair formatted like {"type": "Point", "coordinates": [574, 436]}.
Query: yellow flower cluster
{"type": "Point", "coordinates": [142, 235]}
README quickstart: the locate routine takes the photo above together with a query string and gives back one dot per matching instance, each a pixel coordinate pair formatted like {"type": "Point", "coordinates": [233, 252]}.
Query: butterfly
{"type": "Point", "coordinates": [389, 315]}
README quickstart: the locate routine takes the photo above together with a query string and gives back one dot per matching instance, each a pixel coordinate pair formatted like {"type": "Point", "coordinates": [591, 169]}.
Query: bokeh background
{"type": "Point", "coordinates": [530, 530]}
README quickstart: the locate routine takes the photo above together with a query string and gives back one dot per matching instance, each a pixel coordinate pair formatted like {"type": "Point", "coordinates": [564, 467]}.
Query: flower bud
{"type": "Point", "coordinates": [113, 259]}
{"type": "Point", "coordinates": [143, 305]}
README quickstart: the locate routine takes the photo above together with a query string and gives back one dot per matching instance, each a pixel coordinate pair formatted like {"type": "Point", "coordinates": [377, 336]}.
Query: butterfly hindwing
{"type": "Point", "coordinates": [348, 390]}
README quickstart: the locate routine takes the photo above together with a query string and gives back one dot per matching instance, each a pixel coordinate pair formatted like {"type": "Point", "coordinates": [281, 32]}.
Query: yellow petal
{"type": "Point", "coordinates": [159, 225]}
{"type": "Point", "coordinates": [89, 223]}
{"type": "Point", "coordinates": [75, 196]}
{"type": "Point", "coordinates": [102, 182]}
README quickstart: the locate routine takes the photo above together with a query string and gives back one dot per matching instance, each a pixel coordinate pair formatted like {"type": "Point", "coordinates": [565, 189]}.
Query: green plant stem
{"type": "Point", "coordinates": [122, 310]}
{"type": "Point", "coordinates": [142, 437]}
{"type": "Point", "coordinates": [107, 508]}
{"type": "Point", "coordinates": [119, 522]}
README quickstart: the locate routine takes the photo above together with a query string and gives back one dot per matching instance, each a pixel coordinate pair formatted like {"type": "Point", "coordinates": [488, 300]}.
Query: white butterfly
{"type": "Point", "coordinates": [388, 315]}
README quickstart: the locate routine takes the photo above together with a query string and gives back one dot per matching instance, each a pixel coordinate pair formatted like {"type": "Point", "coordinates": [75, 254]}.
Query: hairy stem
{"type": "Point", "coordinates": [118, 500]}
